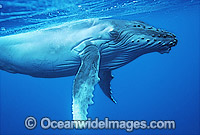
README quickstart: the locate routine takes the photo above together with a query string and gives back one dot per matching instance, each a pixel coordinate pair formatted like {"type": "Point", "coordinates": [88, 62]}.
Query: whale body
{"type": "Point", "coordinates": [89, 49]}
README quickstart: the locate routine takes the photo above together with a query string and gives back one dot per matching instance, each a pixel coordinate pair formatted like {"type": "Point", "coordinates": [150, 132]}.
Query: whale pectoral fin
{"type": "Point", "coordinates": [104, 83]}
{"type": "Point", "coordinates": [85, 80]}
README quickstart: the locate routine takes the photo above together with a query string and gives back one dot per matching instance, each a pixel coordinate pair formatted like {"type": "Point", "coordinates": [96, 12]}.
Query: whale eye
{"type": "Point", "coordinates": [138, 25]}
{"type": "Point", "coordinates": [114, 33]}
{"type": "Point", "coordinates": [134, 25]}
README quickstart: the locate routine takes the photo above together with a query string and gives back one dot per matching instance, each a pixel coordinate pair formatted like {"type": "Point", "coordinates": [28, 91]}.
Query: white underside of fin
{"type": "Point", "coordinates": [85, 80]}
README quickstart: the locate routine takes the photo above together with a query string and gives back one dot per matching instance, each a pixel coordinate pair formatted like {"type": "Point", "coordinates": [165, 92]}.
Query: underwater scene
{"type": "Point", "coordinates": [120, 66]}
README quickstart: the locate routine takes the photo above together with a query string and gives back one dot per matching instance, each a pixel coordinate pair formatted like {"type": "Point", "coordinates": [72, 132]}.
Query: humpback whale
{"type": "Point", "coordinates": [89, 49]}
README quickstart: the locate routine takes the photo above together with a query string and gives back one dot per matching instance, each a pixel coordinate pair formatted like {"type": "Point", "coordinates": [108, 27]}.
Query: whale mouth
{"type": "Point", "coordinates": [166, 48]}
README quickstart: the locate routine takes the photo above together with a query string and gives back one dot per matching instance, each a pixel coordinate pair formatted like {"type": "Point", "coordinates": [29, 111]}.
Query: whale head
{"type": "Point", "coordinates": [131, 39]}
{"type": "Point", "coordinates": [140, 37]}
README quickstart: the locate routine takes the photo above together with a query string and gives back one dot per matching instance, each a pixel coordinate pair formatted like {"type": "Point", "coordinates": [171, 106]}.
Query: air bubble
{"type": "Point", "coordinates": [3, 28]}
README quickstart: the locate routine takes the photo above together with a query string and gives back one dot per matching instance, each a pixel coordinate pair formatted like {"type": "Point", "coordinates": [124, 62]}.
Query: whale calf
{"type": "Point", "coordinates": [89, 49]}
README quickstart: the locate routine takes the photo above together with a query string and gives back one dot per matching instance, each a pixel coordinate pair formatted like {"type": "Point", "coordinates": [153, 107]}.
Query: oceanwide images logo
{"type": "Point", "coordinates": [129, 125]}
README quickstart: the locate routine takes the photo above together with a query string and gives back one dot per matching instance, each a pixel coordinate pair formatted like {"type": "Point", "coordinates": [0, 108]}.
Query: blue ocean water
{"type": "Point", "coordinates": [153, 87]}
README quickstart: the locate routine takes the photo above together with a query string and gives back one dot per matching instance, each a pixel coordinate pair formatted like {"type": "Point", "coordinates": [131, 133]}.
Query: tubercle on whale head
{"type": "Point", "coordinates": [136, 35]}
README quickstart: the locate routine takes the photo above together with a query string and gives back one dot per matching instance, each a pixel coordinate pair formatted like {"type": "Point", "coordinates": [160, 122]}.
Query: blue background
{"type": "Point", "coordinates": [153, 87]}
